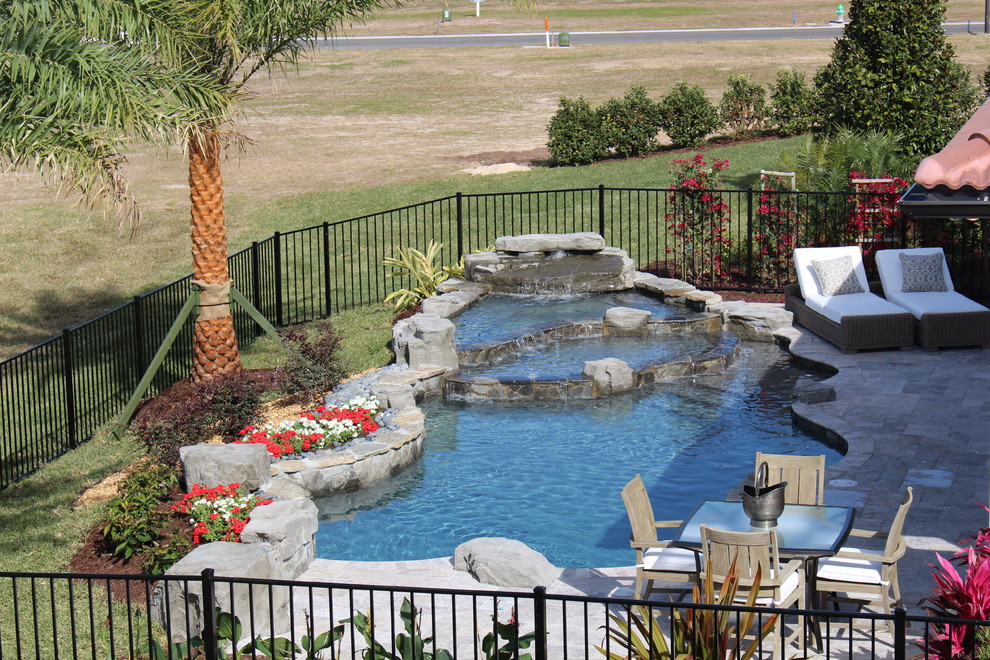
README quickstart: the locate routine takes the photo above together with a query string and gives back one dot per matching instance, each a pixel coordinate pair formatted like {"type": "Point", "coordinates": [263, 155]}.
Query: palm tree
{"type": "Point", "coordinates": [69, 96]}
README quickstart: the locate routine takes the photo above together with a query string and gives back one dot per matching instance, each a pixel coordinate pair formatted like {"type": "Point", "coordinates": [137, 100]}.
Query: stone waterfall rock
{"type": "Point", "coordinates": [755, 321]}
{"type": "Point", "coordinates": [609, 376]}
{"type": "Point", "coordinates": [504, 563]}
{"type": "Point", "coordinates": [212, 465]}
{"type": "Point", "coordinates": [627, 322]}
{"type": "Point", "coordinates": [576, 242]}
{"type": "Point", "coordinates": [174, 603]}
{"type": "Point", "coordinates": [290, 527]}
{"type": "Point", "coordinates": [609, 269]}
{"type": "Point", "coordinates": [425, 340]}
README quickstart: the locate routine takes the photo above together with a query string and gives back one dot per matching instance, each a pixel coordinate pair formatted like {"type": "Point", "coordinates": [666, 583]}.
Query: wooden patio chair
{"type": "Point", "coordinates": [780, 586]}
{"type": "Point", "coordinates": [858, 572]}
{"type": "Point", "coordinates": [805, 476]}
{"type": "Point", "coordinates": [656, 560]}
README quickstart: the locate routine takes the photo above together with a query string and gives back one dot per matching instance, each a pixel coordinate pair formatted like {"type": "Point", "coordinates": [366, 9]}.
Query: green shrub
{"type": "Point", "coordinates": [744, 106]}
{"type": "Point", "coordinates": [631, 125]}
{"type": "Point", "coordinates": [313, 365]}
{"type": "Point", "coordinates": [132, 520]}
{"type": "Point", "coordinates": [687, 116]}
{"type": "Point", "coordinates": [894, 70]}
{"type": "Point", "coordinates": [574, 134]}
{"type": "Point", "coordinates": [791, 111]}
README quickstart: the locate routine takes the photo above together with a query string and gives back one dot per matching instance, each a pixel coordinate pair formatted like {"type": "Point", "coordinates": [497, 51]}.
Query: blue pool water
{"type": "Point", "coordinates": [550, 474]}
{"type": "Point", "coordinates": [498, 317]}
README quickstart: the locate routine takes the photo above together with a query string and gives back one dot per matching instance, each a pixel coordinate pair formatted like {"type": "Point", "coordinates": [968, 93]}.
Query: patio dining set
{"type": "Point", "coordinates": [799, 558]}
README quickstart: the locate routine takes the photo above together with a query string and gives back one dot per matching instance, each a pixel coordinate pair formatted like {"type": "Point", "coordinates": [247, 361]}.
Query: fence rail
{"type": "Point", "coordinates": [57, 394]}
{"type": "Point", "coordinates": [205, 616]}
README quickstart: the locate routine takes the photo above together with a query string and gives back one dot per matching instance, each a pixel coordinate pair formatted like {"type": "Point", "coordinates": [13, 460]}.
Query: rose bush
{"type": "Point", "coordinates": [220, 513]}
{"type": "Point", "coordinates": [321, 429]}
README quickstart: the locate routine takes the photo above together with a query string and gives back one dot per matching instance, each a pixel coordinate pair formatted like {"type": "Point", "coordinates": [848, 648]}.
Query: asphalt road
{"type": "Point", "coordinates": [538, 39]}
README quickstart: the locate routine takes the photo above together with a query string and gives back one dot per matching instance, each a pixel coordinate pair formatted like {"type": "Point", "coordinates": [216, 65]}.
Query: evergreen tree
{"type": "Point", "coordinates": [893, 70]}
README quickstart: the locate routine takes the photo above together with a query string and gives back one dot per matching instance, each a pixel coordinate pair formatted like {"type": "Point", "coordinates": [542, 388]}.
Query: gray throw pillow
{"type": "Point", "coordinates": [837, 276]}
{"type": "Point", "coordinates": [922, 272]}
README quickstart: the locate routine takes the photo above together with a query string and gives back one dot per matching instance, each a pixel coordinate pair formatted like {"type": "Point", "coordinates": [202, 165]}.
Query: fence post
{"type": "Point", "coordinates": [601, 210]}
{"type": "Point", "coordinates": [327, 276]}
{"type": "Point", "coordinates": [210, 615]}
{"type": "Point", "coordinates": [256, 282]}
{"type": "Point", "coordinates": [749, 237]}
{"type": "Point", "coordinates": [460, 224]}
{"type": "Point", "coordinates": [70, 389]}
{"type": "Point", "coordinates": [278, 279]}
{"type": "Point", "coordinates": [900, 633]}
{"type": "Point", "coordinates": [140, 358]}
{"type": "Point", "coordinates": [540, 621]}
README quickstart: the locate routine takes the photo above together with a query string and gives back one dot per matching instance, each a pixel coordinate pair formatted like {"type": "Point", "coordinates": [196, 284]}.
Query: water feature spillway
{"type": "Point", "coordinates": [549, 472]}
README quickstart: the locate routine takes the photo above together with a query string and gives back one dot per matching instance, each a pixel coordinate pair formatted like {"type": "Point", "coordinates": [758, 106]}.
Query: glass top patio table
{"type": "Point", "coordinates": [802, 530]}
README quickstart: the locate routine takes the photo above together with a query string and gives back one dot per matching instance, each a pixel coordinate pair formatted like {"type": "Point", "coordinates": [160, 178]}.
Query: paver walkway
{"type": "Point", "coordinates": [910, 418]}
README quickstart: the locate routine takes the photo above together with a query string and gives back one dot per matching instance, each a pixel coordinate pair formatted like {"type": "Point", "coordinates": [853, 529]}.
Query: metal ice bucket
{"type": "Point", "coordinates": [763, 503]}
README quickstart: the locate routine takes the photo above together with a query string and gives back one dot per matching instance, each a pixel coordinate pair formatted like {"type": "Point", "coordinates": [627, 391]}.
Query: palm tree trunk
{"type": "Point", "coordinates": [215, 349]}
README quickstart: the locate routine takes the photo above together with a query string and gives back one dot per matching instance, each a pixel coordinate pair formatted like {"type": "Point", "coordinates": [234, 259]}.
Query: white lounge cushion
{"type": "Point", "coordinates": [670, 559]}
{"type": "Point", "coordinates": [807, 278]}
{"type": "Point", "coordinates": [891, 268]}
{"type": "Point", "coordinates": [842, 569]}
{"type": "Point", "coordinates": [932, 302]}
{"type": "Point", "coordinates": [853, 304]}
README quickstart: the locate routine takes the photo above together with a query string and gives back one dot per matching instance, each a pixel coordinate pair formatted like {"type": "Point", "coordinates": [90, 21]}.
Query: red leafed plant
{"type": "Point", "coordinates": [962, 597]}
{"type": "Point", "coordinates": [775, 238]}
{"type": "Point", "coordinates": [698, 218]}
{"type": "Point", "coordinates": [874, 210]}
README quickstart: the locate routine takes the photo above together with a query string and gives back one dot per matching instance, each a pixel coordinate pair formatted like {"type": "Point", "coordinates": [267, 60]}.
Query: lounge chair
{"type": "Point", "coordinates": [833, 299]}
{"type": "Point", "coordinates": [943, 316]}
{"type": "Point", "coordinates": [655, 559]}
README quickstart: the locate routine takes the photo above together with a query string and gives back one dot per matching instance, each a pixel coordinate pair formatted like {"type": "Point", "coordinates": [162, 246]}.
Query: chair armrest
{"type": "Point", "coordinates": [667, 523]}
{"type": "Point", "coordinates": [868, 556]}
{"type": "Point", "coordinates": [794, 565]}
{"type": "Point", "coordinates": [868, 534]}
{"type": "Point", "coordinates": [642, 545]}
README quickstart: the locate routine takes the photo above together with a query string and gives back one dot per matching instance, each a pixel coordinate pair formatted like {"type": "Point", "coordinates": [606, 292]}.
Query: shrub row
{"type": "Point", "coordinates": [579, 134]}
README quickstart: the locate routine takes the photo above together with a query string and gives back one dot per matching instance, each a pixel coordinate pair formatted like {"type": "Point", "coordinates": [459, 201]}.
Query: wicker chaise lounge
{"type": "Point", "coordinates": [833, 299]}
{"type": "Point", "coordinates": [943, 317]}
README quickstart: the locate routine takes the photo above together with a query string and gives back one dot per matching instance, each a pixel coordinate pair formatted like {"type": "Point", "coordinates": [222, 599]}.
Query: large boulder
{"type": "Point", "coordinates": [214, 465]}
{"type": "Point", "coordinates": [504, 563]}
{"type": "Point", "coordinates": [425, 340]}
{"type": "Point", "coordinates": [755, 321]}
{"type": "Point", "coordinates": [290, 527]}
{"type": "Point", "coordinates": [176, 604]}
{"type": "Point", "coordinates": [609, 376]}
{"type": "Point", "coordinates": [609, 269]}
{"type": "Point", "coordinates": [627, 322]}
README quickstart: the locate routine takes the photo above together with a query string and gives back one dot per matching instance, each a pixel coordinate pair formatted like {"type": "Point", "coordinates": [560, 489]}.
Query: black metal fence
{"type": "Point", "coordinates": [110, 617]}
{"type": "Point", "coordinates": [57, 394]}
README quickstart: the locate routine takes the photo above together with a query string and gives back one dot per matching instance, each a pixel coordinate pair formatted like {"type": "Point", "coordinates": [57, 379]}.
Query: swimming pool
{"type": "Point", "coordinates": [550, 474]}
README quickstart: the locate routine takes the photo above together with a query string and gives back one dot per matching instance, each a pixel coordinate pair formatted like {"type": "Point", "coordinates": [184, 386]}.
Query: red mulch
{"type": "Point", "coordinates": [749, 296]}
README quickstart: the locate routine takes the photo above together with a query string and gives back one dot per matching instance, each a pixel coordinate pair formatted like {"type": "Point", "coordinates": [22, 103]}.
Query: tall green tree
{"type": "Point", "coordinates": [893, 71]}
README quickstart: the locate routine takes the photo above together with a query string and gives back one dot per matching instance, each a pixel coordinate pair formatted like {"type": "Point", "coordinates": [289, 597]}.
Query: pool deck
{"type": "Point", "coordinates": [911, 418]}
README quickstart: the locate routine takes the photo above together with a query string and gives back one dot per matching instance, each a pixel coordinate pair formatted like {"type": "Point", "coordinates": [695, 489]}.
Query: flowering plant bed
{"type": "Point", "coordinates": [321, 429]}
{"type": "Point", "coordinates": [220, 513]}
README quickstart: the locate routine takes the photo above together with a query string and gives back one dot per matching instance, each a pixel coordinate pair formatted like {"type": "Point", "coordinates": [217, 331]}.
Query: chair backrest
{"type": "Point", "coordinates": [640, 511]}
{"type": "Point", "coordinates": [750, 550]}
{"type": "Point", "coordinates": [892, 271]}
{"type": "Point", "coordinates": [805, 476]}
{"type": "Point", "coordinates": [895, 539]}
{"type": "Point", "coordinates": [806, 277]}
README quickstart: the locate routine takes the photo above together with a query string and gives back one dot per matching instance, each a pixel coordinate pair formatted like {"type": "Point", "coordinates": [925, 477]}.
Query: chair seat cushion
{"type": "Point", "coordinates": [850, 569]}
{"type": "Point", "coordinates": [786, 589]}
{"type": "Point", "coordinates": [852, 304]}
{"type": "Point", "coordinates": [931, 302]}
{"type": "Point", "coordinates": [670, 559]}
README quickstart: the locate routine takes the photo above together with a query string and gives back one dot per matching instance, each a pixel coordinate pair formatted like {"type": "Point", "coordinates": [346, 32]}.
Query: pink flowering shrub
{"type": "Point", "coordinates": [962, 597]}
{"type": "Point", "coordinates": [874, 211]}
{"type": "Point", "coordinates": [774, 238]}
{"type": "Point", "coordinates": [698, 219]}
{"type": "Point", "coordinates": [220, 513]}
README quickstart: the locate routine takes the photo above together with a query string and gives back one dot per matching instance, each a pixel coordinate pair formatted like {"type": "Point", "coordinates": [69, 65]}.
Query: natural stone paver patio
{"type": "Point", "coordinates": [911, 418]}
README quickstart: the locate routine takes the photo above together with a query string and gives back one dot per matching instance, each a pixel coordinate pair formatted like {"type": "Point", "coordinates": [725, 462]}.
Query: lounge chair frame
{"type": "Point", "coordinates": [854, 333]}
